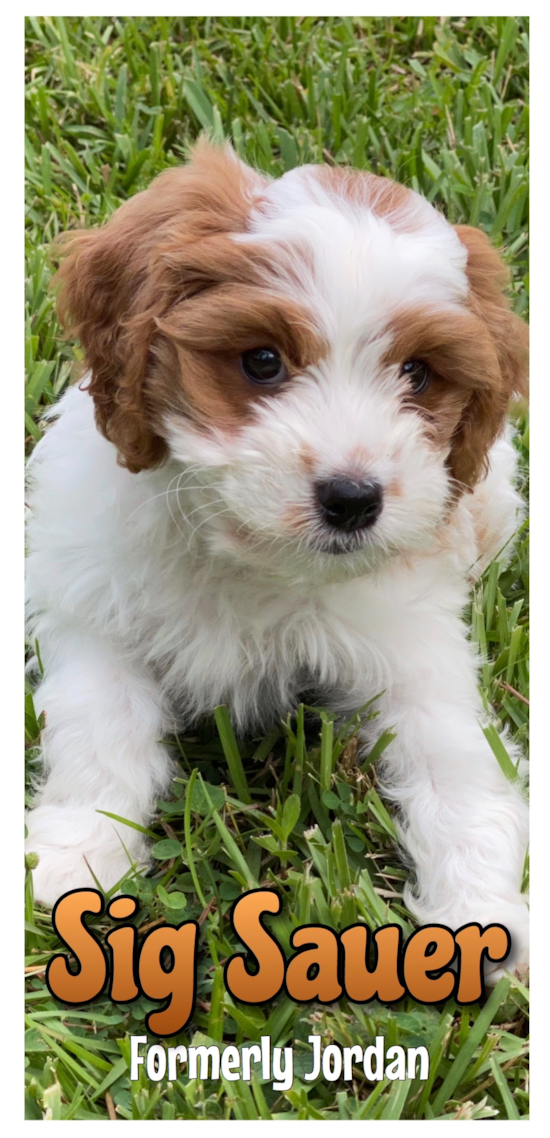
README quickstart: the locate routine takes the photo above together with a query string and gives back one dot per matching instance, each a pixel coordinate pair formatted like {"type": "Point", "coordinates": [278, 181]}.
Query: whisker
{"type": "Point", "coordinates": [204, 506]}
{"type": "Point", "coordinates": [176, 490]}
{"type": "Point", "coordinates": [174, 519]}
{"type": "Point", "coordinates": [152, 499]}
{"type": "Point", "coordinates": [207, 519]}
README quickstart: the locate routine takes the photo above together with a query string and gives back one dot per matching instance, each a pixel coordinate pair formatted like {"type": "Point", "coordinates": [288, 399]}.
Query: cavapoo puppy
{"type": "Point", "coordinates": [285, 463]}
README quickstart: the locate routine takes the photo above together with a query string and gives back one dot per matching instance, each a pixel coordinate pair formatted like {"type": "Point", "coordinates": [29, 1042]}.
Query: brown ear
{"type": "Point", "coordinates": [485, 414]}
{"type": "Point", "coordinates": [115, 284]}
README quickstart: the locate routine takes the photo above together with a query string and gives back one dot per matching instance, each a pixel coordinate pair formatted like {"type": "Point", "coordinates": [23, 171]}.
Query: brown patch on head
{"type": "Point", "coordinates": [485, 414]}
{"type": "Point", "coordinates": [164, 301]}
{"type": "Point", "coordinates": [462, 361]}
{"type": "Point", "coordinates": [477, 358]}
{"type": "Point", "coordinates": [197, 359]}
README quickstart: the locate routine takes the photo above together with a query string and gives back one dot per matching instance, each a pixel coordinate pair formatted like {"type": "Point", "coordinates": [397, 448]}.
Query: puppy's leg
{"type": "Point", "coordinates": [464, 825]}
{"type": "Point", "coordinates": [101, 752]}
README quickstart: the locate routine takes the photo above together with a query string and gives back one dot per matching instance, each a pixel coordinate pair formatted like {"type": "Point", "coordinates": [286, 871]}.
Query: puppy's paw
{"type": "Point", "coordinates": [515, 918]}
{"type": "Point", "coordinates": [74, 845]}
{"type": "Point", "coordinates": [513, 914]}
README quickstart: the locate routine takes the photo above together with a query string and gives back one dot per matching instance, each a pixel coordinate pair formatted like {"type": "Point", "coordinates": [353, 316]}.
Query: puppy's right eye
{"type": "Point", "coordinates": [263, 365]}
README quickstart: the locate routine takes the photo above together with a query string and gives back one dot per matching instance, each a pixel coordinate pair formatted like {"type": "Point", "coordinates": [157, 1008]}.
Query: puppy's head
{"type": "Point", "coordinates": [325, 355]}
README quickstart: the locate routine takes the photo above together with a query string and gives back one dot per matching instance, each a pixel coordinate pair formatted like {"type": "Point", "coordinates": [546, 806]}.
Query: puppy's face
{"type": "Point", "coordinates": [327, 357]}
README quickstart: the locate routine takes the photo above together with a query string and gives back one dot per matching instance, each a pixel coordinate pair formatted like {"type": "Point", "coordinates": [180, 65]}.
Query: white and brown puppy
{"type": "Point", "coordinates": [285, 462]}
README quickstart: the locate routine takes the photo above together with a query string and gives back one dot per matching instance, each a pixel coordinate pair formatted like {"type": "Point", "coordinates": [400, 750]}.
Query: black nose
{"type": "Point", "coordinates": [348, 505]}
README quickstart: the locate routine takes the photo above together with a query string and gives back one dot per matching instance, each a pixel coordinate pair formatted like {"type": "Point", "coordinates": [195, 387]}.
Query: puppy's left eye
{"type": "Point", "coordinates": [418, 374]}
{"type": "Point", "coordinates": [263, 365]}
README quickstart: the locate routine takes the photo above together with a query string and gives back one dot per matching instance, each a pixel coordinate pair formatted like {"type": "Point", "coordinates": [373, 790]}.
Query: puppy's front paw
{"type": "Point", "coordinates": [513, 914]}
{"type": "Point", "coordinates": [515, 918]}
{"type": "Point", "coordinates": [76, 845]}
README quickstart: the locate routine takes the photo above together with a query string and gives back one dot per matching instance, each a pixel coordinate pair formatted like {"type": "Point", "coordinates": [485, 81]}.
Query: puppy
{"type": "Point", "coordinates": [284, 465]}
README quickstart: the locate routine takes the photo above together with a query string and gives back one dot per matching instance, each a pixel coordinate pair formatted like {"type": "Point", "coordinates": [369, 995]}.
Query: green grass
{"type": "Point", "coordinates": [440, 105]}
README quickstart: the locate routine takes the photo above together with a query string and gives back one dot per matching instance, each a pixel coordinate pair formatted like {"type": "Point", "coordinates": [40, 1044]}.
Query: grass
{"type": "Point", "coordinates": [439, 104]}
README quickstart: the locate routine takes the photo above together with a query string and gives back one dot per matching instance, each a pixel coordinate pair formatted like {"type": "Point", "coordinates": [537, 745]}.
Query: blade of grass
{"type": "Point", "coordinates": [232, 754]}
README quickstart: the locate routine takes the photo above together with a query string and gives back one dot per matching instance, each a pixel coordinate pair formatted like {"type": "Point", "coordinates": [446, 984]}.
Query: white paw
{"type": "Point", "coordinates": [515, 918]}
{"type": "Point", "coordinates": [514, 915]}
{"type": "Point", "coordinates": [76, 845]}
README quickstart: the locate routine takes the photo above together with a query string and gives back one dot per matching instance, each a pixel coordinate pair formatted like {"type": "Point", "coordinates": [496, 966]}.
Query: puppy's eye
{"type": "Point", "coordinates": [418, 375]}
{"type": "Point", "coordinates": [263, 365]}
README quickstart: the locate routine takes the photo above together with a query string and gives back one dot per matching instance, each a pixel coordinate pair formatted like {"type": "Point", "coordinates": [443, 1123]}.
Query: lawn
{"type": "Point", "coordinates": [441, 105]}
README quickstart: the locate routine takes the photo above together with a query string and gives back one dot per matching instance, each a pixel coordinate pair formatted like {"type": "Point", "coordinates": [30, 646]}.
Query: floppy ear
{"type": "Point", "coordinates": [485, 414]}
{"type": "Point", "coordinates": [117, 282]}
